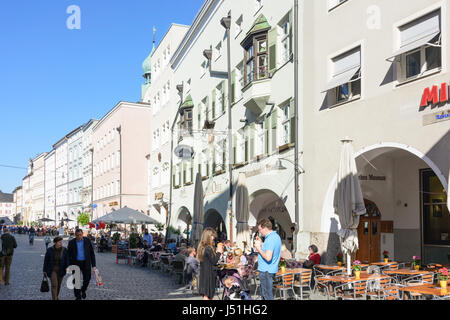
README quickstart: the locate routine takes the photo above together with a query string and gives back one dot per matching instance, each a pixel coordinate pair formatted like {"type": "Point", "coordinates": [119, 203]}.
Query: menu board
{"type": "Point", "coordinates": [123, 250]}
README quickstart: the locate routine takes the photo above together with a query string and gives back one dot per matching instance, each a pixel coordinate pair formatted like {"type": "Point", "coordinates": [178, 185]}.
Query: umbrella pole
{"type": "Point", "coordinates": [348, 264]}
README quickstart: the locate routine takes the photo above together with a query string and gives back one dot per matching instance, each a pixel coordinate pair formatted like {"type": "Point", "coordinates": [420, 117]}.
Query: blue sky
{"type": "Point", "coordinates": [53, 79]}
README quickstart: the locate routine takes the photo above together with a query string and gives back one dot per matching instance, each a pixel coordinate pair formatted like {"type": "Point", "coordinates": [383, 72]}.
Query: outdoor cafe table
{"type": "Point", "coordinates": [382, 263]}
{"type": "Point", "coordinates": [364, 276]}
{"type": "Point", "coordinates": [427, 289]}
{"type": "Point", "coordinates": [335, 267]}
{"type": "Point", "coordinates": [405, 272]}
{"type": "Point", "coordinates": [292, 271]}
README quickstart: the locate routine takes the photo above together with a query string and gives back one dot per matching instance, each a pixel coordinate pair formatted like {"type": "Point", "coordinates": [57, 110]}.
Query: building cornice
{"type": "Point", "coordinates": [117, 107]}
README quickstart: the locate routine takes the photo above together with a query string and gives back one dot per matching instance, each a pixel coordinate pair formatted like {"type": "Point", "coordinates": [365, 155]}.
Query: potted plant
{"type": "Point", "coordinates": [115, 239]}
{"type": "Point", "coordinates": [386, 256]}
{"type": "Point", "coordinates": [282, 265]}
{"type": "Point", "coordinates": [339, 259]}
{"type": "Point", "coordinates": [357, 269]}
{"type": "Point", "coordinates": [416, 262]}
{"type": "Point", "coordinates": [443, 277]}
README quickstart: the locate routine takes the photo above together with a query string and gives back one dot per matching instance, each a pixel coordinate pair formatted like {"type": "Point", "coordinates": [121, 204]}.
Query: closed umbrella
{"type": "Point", "coordinates": [197, 223]}
{"type": "Point", "coordinates": [348, 201]}
{"type": "Point", "coordinates": [242, 213]}
{"type": "Point", "coordinates": [448, 189]}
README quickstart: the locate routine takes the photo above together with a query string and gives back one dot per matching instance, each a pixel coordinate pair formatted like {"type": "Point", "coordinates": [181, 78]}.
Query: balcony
{"type": "Point", "coordinates": [256, 94]}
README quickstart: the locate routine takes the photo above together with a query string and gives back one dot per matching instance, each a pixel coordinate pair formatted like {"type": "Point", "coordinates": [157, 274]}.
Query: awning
{"type": "Point", "coordinates": [342, 78]}
{"type": "Point", "coordinates": [414, 45]}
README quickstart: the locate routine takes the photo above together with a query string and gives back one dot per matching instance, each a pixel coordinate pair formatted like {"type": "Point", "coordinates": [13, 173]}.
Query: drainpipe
{"type": "Point", "coordinates": [296, 35]}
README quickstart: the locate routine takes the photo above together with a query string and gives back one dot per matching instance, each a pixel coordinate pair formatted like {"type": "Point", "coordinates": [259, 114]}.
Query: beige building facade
{"type": "Point", "coordinates": [121, 142]}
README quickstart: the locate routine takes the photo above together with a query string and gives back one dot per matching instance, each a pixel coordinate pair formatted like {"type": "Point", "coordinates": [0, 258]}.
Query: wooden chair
{"type": "Point", "coordinates": [393, 266]}
{"type": "Point", "coordinates": [177, 269]}
{"type": "Point", "coordinates": [302, 280]}
{"type": "Point", "coordinates": [355, 290]}
{"type": "Point", "coordinates": [322, 286]}
{"type": "Point", "coordinates": [285, 285]}
{"type": "Point", "coordinates": [392, 292]}
{"type": "Point", "coordinates": [418, 280]}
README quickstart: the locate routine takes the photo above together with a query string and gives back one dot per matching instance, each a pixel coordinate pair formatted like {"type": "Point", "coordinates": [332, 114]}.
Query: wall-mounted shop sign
{"type": "Point", "coordinates": [436, 117]}
{"type": "Point", "coordinates": [435, 95]}
{"type": "Point", "coordinates": [371, 177]}
{"type": "Point", "coordinates": [112, 204]}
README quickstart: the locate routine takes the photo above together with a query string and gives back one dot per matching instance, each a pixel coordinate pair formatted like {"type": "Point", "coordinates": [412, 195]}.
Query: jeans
{"type": "Point", "coordinates": [266, 280]}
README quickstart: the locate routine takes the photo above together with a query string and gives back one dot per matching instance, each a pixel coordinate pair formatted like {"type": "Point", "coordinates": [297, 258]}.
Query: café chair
{"type": "Point", "coordinates": [302, 280]}
{"type": "Point", "coordinates": [177, 269]}
{"type": "Point", "coordinates": [285, 285]}
{"type": "Point", "coordinates": [441, 297]}
{"type": "Point", "coordinates": [373, 269]}
{"type": "Point", "coordinates": [418, 280]}
{"type": "Point", "coordinates": [374, 287]}
{"type": "Point", "coordinates": [392, 292]}
{"type": "Point", "coordinates": [355, 290]}
{"type": "Point", "coordinates": [321, 286]}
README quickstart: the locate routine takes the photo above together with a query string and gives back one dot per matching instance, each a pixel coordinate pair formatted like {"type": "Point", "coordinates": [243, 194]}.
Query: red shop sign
{"type": "Point", "coordinates": [435, 95]}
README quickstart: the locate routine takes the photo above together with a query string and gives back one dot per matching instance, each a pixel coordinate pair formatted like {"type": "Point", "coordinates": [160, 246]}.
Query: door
{"type": "Point", "coordinates": [369, 234]}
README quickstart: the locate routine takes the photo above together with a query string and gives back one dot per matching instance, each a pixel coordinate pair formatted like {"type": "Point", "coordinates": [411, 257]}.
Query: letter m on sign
{"type": "Point", "coordinates": [430, 96]}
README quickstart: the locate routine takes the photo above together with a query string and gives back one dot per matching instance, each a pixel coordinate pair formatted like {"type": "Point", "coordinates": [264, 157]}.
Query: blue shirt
{"type": "Point", "coordinates": [80, 250]}
{"type": "Point", "coordinates": [149, 239]}
{"type": "Point", "coordinates": [173, 246]}
{"type": "Point", "coordinates": [272, 242]}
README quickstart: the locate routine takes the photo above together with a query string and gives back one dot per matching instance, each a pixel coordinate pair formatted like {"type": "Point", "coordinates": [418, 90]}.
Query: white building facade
{"type": "Point", "coordinates": [75, 172]}
{"type": "Point", "coordinates": [62, 180]}
{"type": "Point", "coordinates": [262, 113]}
{"type": "Point", "coordinates": [88, 150]}
{"type": "Point", "coordinates": [50, 185]}
{"type": "Point", "coordinates": [160, 93]}
{"type": "Point", "coordinates": [37, 182]}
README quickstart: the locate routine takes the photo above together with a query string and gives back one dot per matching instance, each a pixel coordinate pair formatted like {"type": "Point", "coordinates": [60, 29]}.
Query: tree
{"type": "Point", "coordinates": [83, 219]}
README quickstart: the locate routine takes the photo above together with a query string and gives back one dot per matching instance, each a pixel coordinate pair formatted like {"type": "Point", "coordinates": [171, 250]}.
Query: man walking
{"type": "Point", "coordinates": [268, 257]}
{"type": "Point", "coordinates": [8, 245]}
{"type": "Point", "coordinates": [81, 254]}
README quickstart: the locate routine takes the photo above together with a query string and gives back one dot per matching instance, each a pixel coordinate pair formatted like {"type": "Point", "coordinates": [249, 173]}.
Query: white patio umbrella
{"type": "Point", "coordinates": [242, 213]}
{"type": "Point", "coordinates": [348, 201]}
{"type": "Point", "coordinates": [197, 220]}
{"type": "Point", "coordinates": [448, 190]}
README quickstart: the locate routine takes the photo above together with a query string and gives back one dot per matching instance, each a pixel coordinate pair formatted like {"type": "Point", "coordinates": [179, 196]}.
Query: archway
{"type": "Point", "coordinates": [265, 204]}
{"type": "Point", "coordinates": [184, 222]}
{"type": "Point", "coordinates": [214, 220]}
{"type": "Point", "coordinates": [400, 181]}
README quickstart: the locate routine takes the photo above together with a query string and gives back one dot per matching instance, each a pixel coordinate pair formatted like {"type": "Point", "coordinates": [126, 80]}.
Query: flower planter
{"type": "Point", "coordinates": [340, 263]}
{"type": "Point", "coordinates": [386, 260]}
{"type": "Point", "coordinates": [283, 269]}
{"type": "Point", "coordinates": [417, 267]}
{"type": "Point", "coordinates": [357, 275]}
{"type": "Point", "coordinates": [443, 284]}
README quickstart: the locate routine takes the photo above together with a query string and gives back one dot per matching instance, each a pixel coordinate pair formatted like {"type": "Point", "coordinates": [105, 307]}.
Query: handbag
{"type": "Point", "coordinates": [44, 285]}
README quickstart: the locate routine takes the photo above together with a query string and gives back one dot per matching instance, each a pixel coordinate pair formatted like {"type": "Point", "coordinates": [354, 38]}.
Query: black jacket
{"type": "Point", "coordinates": [49, 262]}
{"type": "Point", "coordinates": [8, 245]}
{"type": "Point", "coordinates": [88, 252]}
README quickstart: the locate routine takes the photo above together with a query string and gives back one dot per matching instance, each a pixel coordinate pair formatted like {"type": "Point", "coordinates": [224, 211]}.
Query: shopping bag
{"type": "Point", "coordinates": [98, 278]}
{"type": "Point", "coordinates": [44, 285]}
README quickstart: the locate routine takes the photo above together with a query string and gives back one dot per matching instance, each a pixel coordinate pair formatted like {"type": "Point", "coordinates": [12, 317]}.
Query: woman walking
{"type": "Point", "coordinates": [56, 262]}
{"type": "Point", "coordinates": [208, 258]}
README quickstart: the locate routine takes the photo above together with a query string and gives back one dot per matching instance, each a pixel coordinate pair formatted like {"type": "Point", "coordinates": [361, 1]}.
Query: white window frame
{"type": "Point", "coordinates": [283, 39]}
{"type": "Point", "coordinates": [286, 123]}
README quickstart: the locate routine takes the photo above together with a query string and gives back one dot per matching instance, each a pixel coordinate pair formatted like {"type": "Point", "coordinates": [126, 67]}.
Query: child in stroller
{"type": "Point", "coordinates": [235, 288]}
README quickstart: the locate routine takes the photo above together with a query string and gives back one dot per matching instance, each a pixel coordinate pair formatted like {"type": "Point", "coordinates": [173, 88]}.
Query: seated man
{"type": "Point", "coordinates": [180, 256]}
{"type": "Point", "coordinates": [191, 267]}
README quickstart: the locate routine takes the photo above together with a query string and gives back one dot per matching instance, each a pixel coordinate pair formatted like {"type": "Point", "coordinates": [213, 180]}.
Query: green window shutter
{"type": "Point", "coordinates": [292, 120]}
{"type": "Point", "coordinates": [200, 169]}
{"type": "Point", "coordinates": [267, 133]}
{"type": "Point", "coordinates": [234, 149]}
{"type": "Point", "coordinates": [214, 161]}
{"type": "Point", "coordinates": [252, 141]}
{"type": "Point", "coordinates": [274, 117]}
{"type": "Point", "coordinates": [246, 143]}
{"type": "Point", "coordinates": [233, 86]}
{"type": "Point", "coordinates": [192, 170]}
{"type": "Point", "coordinates": [272, 43]}
{"type": "Point", "coordinates": [213, 104]}
{"type": "Point", "coordinates": [224, 96]}
{"type": "Point", "coordinates": [291, 32]}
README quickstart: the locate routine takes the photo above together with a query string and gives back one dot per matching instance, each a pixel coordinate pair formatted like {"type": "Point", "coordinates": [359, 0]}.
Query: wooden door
{"type": "Point", "coordinates": [369, 234]}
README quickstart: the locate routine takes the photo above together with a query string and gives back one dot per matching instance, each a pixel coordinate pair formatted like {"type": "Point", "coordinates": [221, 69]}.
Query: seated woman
{"type": "Point", "coordinates": [313, 258]}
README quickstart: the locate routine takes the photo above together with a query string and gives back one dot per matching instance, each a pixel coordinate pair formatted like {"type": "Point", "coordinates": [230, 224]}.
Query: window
{"type": "Point", "coordinates": [345, 84]}
{"type": "Point", "coordinates": [286, 124]}
{"type": "Point", "coordinates": [260, 139]}
{"type": "Point", "coordinates": [241, 150]}
{"type": "Point", "coordinates": [436, 217]}
{"type": "Point", "coordinates": [186, 121]}
{"type": "Point", "coordinates": [256, 59]}
{"type": "Point", "coordinates": [284, 33]}
{"type": "Point", "coordinates": [420, 47]}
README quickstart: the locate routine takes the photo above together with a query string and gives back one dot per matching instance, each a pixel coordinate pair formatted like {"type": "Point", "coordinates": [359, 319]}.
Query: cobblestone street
{"type": "Point", "coordinates": [121, 282]}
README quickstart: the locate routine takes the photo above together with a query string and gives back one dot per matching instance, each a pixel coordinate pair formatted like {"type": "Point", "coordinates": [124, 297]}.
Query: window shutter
{"type": "Point", "coordinates": [224, 155]}
{"type": "Point", "coordinates": [246, 143]}
{"type": "Point", "coordinates": [174, 172]}
{"type": "Point", "coordinates": [252, 141]}
{"type": "Point", "coordinates": [272, 43]}
{"type": "Point", "coordinates": [213, 104]}
{"type": "Point", "coordinates": [274, 117]}
{"type": "Point", "coordinates": [234, 149]}
{"type": "Point", "coordinates": [291, 32]}
{"type": "Point", "coordinates": [214, 160]}
{"type": "Point", "coordinates": [224, 96]}
{"type": "Point", "coordinates": [192, 170]}
{"type": "Point", "coordinates": [233, 86]}
{"type": "Point", "coordinates": [267, 133]}
{"type": "Point", "coordinates": [207, 109]}
{"type": "Point", "coordinates": [200, 169]}
{"type": "Point", "coordinates": [292, 120]}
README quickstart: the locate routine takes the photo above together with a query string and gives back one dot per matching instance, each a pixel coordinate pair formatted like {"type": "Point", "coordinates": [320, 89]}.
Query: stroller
{"type": "Point", "coordinates": [239, 289]}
